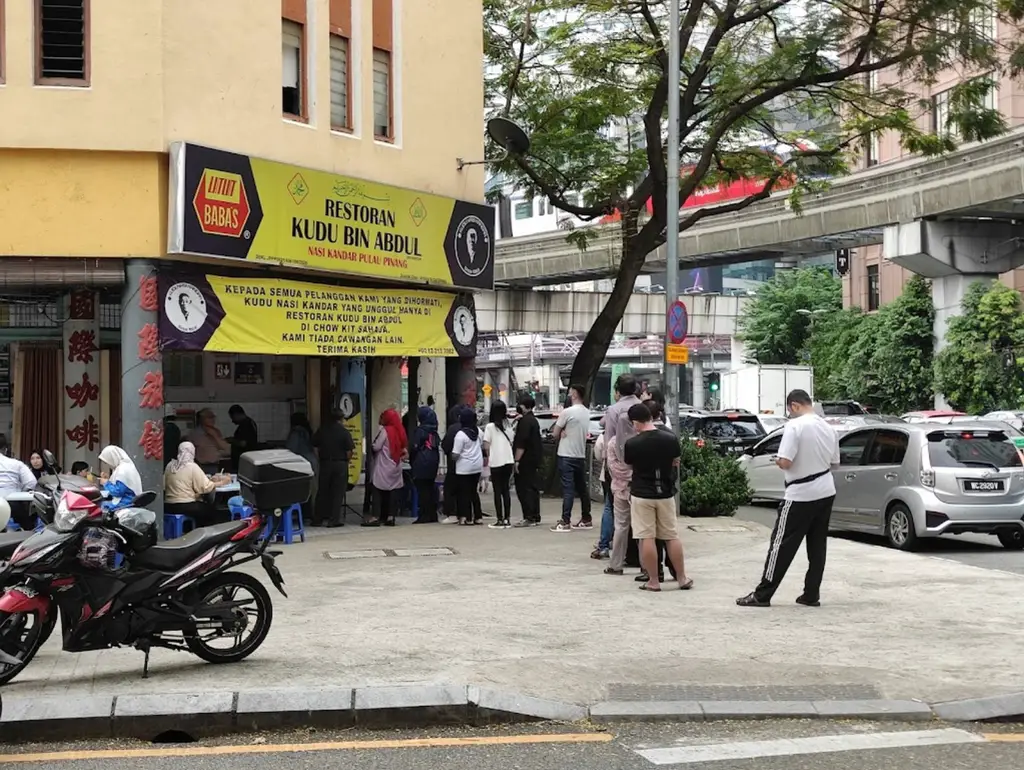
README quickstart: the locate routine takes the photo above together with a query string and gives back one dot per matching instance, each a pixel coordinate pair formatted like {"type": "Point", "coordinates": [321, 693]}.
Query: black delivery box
{"type": "Point", "coordinates": [274, 478]}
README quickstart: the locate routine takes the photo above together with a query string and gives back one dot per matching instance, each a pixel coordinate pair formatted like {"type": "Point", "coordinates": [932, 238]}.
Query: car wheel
{"type": "Point", "coordinates": [1011, 539]}
{"type": "Point", "coordinates": [899, 528]}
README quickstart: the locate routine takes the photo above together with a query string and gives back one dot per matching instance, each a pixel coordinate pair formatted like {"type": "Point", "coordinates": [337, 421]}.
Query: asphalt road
{"type": "Point", "coordinates": [975, 550]}
{"type": "Point", "coordinates": [634, 747]}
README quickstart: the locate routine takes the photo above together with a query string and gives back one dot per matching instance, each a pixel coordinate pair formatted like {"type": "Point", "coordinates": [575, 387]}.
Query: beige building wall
{"type": "Point", "coordinates": [1009, 97]}
{"type": "Point", "coordinates": [210, 72]}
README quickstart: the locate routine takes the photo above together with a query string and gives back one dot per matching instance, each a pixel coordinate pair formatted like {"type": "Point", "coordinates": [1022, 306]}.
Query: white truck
{"type": "Point", "coordinates": [761, 389]}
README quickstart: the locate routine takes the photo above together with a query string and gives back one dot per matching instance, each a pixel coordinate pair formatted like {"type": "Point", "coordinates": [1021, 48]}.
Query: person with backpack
{"type": "Point", "coordinates": [425, 459]}
{"type": "Point", "coordinates": [501, 461]}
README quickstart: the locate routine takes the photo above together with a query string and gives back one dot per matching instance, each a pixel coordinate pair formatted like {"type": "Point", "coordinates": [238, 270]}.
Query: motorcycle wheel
{"type": "Point", "coordinates": [21, 635]}
{"type": "Point", "coordinates": [255, 618]}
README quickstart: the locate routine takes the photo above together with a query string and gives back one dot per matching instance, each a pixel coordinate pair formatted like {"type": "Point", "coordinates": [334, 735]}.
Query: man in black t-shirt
{"type": "Point", "coordinates": [653, 455]}
{"type": "Point", "coordinates": [528, 450]}
{"type": "Point", "coordinates": [335, 445]}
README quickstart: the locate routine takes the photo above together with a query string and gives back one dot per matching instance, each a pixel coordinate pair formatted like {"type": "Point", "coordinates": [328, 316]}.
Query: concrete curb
{"type": "Point", "coordinates": [201, 715]}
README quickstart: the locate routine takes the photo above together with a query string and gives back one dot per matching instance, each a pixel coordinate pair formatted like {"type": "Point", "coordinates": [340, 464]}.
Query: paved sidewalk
{"type": "Point", "coordinates": [528, 611]}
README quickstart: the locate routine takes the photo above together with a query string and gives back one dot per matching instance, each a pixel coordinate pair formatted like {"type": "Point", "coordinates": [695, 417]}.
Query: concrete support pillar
{"type": "Point", "coordinates": [947, 293]}
{"type": "Point", "coordinates": [81, 390]}
{"type": "Point", "coordinates": [386, 388]}
{"type": "Point", "coordinates": [697, 370]}
{"type": "Point", "coordinates": [430, 381]}
{"type": "Point", "coordinates": [737, 353]}
{"type": "Point", "coordinates": [554, 382]}
{"type": "Point", "coordinates": [142, 378]}
{"type": "Point", "coordinates": [504, 386]}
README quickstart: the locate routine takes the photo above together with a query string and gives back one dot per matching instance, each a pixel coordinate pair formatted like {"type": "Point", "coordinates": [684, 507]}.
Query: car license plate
{"type": "Point", "coordinates": [983, 486]}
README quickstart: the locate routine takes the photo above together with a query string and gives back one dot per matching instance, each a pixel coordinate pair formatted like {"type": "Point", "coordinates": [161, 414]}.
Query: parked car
{"type": "Point", "coordinates": [1016, 419]}
{"type": "Point", "coordinates": [843, 407]}
{"type": "Point", "coordinates": [975, 419]}
{"type": "Point", "coordinates": [849, 422]}
{"type": "Point", "coordinates": [938, 415]}
{"type": "Point", "coordinates": [547, 420]}
{"type": "Point", "coordinates": [919, 480]}
{"type": "Point", "coordinates": [765, 477]}
{"type": "Point", "coordinates": [771, 422]}
{"type": "Point", "coordinates": [730, 432]}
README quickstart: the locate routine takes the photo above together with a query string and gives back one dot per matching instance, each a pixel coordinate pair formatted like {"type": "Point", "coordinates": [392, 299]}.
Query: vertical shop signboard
{"type": "Point", "coordinates": [351, 398]}
{"type": "Point", "coordinates": [151, 390]}
{"type": "Point", "coordinates": [81, 391]}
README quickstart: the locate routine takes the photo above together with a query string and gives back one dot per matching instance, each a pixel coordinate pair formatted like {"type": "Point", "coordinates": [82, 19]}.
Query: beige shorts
{"type": "Point", "coordinates": [653, 518]}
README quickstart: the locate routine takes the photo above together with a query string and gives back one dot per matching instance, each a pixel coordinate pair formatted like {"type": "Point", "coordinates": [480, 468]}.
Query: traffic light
{"type": "Point", "coordinates": [714, 381]}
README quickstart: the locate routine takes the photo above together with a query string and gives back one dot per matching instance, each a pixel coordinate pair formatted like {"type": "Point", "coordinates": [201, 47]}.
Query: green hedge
{"type": "Point", "coordinates": [709, 484]}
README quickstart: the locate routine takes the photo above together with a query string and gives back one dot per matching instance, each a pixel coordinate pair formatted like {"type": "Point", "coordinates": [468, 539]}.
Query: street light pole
{"type": "Point", "coordinates": [672, 204]}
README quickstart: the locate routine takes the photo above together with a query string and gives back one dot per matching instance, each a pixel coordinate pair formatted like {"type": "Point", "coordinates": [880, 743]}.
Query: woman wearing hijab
{"type": "Point", "coordinates": [36, 464]}
{"type": "Point", "coordinates": [390, 448]}
{"type": "Point", "coordinates": [469, 464]}
{"type": "Point", "coordinates": [451, 489]}
{"type": "Point", "coordinates": [501, 460]}
{"type": "Point", "coordinates": [187, 489]}
{"type": "Point", "coordinates": [121, 468]}
{"type": "Point", "coordinates": [425, 459]}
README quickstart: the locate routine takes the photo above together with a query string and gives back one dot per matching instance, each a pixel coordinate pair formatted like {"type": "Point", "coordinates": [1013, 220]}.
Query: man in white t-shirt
{"type": "Point", "coordinates": [808, 452]}
{"type": "Point", "coordinates": [570, 432]}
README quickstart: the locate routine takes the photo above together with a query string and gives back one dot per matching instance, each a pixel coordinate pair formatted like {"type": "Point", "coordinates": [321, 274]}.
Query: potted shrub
{"type": "Point", "coordinates": [709, 484]}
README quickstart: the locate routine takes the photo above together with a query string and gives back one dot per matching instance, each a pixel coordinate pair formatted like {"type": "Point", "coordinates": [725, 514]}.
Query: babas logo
{"type": "Point", "coordinates": [221, 204]}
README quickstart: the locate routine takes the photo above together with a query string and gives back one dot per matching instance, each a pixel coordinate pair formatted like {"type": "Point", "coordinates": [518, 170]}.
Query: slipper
{"type": "Point", "coordinates": [647, 587]}
{"type": "Point", "coordinates": [610, 571]}
{"type": "Point", "coordinates": [687, 585]}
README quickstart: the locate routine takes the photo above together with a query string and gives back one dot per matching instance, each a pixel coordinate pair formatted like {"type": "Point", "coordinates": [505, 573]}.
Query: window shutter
{"type": "Point", "coordinates": [291, 48]}
{"type": "Point", "coordinates": [381, 93]}
{"type": "Point", "coordinates": [339, 82]}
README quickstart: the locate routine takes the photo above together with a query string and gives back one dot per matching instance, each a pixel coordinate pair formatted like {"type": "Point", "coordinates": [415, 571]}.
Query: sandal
{"type": "Point", "coordinates": [687, 585]}
{"type": "Point", "coordinates": [647, 587]}
{"type": "Point", "coordinates": [610, 571]}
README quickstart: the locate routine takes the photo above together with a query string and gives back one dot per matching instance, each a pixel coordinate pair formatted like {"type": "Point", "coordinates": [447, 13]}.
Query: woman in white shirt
{"type": "Point", "coordinates": [469, 464]}
{"type": "Point", "coordinates": [501, 461]}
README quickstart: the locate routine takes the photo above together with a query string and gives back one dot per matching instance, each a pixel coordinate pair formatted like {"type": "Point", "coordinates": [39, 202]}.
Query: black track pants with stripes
{"type": "Point", "coordinates": [797, 521]}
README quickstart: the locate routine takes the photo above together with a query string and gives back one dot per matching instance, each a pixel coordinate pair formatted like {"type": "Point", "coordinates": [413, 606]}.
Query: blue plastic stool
{"type": "Point", "coordinates": [292, 525]}
{"type": "Point", "coordinates": [177, 524]}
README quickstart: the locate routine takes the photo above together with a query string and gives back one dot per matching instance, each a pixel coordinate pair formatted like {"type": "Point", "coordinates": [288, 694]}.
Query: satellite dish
{"type": "Point", "coordinates": [508, 135]}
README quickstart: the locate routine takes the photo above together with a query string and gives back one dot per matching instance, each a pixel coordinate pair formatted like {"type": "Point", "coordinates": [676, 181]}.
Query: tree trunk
{"type": "Point", "coordinates": [595, 345]}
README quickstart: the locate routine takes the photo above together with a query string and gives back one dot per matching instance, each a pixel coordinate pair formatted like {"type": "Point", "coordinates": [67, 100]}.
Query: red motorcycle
{"type": "Point", "coordinates": [113, 586]}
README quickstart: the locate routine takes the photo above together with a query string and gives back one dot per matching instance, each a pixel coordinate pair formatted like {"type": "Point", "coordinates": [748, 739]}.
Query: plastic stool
{"type": "Point", "coordinates": [238, 508]}
{"type": "Point", "coordinates": [292, 525]}
{"type": "Point", "coordinates": [177, 524]}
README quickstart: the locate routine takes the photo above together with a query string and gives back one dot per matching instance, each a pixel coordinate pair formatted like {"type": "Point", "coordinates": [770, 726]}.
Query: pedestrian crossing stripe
{"type": "Point", "coordinates": [820, 744]}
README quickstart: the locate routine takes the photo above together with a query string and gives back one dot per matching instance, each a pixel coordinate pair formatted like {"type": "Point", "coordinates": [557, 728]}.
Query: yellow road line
{"type": "Point", "coordinates": [284, 748]}
{"type": "Point", "coordinates": [1004, 737]}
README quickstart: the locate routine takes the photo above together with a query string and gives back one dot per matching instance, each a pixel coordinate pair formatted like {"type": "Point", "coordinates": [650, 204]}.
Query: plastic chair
{"type": "Point", "coordinates": [292, 525]}
{"type": "Point", "coordinates": [177, 524]}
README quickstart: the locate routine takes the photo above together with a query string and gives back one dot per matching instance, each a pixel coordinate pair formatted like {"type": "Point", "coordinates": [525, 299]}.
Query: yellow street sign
{"type": "Point", "coordinates": [677, 354]}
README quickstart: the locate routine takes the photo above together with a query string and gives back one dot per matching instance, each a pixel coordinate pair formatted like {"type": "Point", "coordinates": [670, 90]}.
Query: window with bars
{"type": "Point", "coordinates": [62, 42]}
{"type": "Point", "coordinates": [183, 370]}
{"type": "Point", "coordinates": [339, 83]}
{"type": "Point", "coordinates": [382, 125]}
{"type": "Point", "coordinates": [291, 69]}
{"type": "Point", "coordinates": [873, 288]}
{"type": "Point", "coordinates": [940, 107]}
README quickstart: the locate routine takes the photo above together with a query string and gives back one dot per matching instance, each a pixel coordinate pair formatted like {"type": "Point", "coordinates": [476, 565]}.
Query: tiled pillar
{"type": "Point", "coordinates": [142, 378]}
{"type": "Point", "coordinates": [81, 391]}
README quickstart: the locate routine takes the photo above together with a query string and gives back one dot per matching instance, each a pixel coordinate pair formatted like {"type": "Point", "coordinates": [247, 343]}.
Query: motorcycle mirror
{"type": "Point", "coordinates": [50, 459]}
{"type": "Point", "coordinates": [146, 498]}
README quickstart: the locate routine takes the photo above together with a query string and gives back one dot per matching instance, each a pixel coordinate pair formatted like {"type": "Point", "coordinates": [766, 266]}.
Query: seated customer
{"type": "Point", "coordinates": [187, 490]}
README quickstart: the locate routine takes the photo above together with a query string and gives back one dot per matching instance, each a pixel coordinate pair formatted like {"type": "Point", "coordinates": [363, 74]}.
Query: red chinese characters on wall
{"type": "Point", "coordinates": [149, 299]}
{"type": "Point", "coordinates": [151, 394]}
{"type": "Point", "coordinates": [149, 343]}
{"type": "Point", "coordinates": [152, 440]}
{"type": "Point", "coordinates": [85, 435]}
{"type": "Point", "coordinates": [81, 393]}
{"type": "Point", "coordinates": [81, 346]}
{"type": "Point", "coordinates": [82, 306]}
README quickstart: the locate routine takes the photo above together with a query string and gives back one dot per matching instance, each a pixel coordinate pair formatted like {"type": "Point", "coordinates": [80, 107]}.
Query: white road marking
{"type": "Point", "coordinates": [824, 744]}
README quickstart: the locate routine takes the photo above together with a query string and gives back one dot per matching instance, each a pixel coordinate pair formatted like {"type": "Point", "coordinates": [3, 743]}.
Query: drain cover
{"type": "Point", "coordinates": [717, 528]}
{"type": "Point", "coordinates": [424, 552]}
{"type": "Point", "coordinates": [354, 554]}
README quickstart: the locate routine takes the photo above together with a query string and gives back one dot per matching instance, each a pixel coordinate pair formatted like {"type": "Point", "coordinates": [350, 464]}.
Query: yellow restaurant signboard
{"type": "Point", "coordinates": [278, 317]}
{"type": "Point", "coordinates": [223, 204]}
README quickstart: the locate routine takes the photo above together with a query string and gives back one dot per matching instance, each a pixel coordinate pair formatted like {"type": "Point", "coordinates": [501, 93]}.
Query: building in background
{"type": "Point", "coordinates": [206, 203]}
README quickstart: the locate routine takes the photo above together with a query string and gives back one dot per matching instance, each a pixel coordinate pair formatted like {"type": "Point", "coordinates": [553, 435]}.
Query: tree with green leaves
{"type": "Point", "coordinates": [981, 368]}
{"type": "Point", "coordinates": [781, 91]}
{"type": "Point", "coordinates": [777, 322]}
{"type": "Point", "coordinates": [834, 337]}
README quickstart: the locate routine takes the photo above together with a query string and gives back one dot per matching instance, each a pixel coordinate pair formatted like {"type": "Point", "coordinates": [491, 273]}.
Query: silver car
{"type": "Point", "coordinates": [912, 481]}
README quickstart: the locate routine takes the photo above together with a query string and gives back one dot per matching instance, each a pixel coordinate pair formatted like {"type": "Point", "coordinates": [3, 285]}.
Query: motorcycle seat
{"type": "Point", "coordinates": [172, 555]}
{"type": "Point", "coordinates": [9, 542]}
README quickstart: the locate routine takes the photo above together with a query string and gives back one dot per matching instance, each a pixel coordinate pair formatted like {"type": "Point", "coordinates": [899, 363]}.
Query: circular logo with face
{"type": "Point", "coordinates": [472, 246]}
{"type": "Point", "coordinates": [185, 307]}
{"type": "Point", "coordinates": [463, 325]}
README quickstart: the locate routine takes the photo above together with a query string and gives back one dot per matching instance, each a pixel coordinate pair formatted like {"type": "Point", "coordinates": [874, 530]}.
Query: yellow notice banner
{"type": "Point", "coordinates": [277, 317]}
